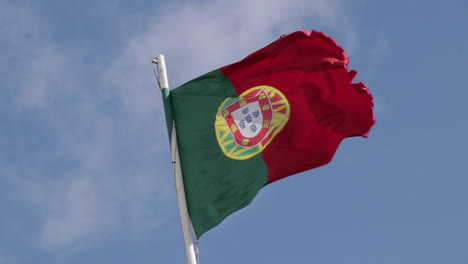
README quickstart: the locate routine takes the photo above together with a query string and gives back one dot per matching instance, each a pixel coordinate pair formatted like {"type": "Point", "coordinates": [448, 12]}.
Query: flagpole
{"type": "Point", "coordinates": [184, 216]}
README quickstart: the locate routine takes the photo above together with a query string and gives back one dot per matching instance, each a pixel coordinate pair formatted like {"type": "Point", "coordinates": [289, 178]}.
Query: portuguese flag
{"type": "Point", "coordinates": [282, 110]}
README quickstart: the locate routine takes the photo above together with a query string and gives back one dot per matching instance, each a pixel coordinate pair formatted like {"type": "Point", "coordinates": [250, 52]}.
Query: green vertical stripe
{"type": "Point", "coordinates": [215, 185]}
{"type": "Point", "coordinates": [168, 111]}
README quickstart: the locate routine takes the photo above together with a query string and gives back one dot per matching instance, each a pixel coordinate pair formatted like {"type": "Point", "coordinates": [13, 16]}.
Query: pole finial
{"type": "Point", "coordinates": [157, 60]}
{"type": "Point", "coordinates": [162, 75]}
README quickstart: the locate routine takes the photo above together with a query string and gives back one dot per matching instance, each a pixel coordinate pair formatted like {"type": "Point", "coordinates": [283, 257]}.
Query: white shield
{"type": "Point", "coordinates": [249, 119]}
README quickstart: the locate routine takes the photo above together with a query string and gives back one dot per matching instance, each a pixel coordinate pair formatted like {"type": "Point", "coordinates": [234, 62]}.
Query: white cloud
{"type": "Point", "coordinates": [112, 181]}
{"type": "Point", "coordinates": [93, 172]}
{"type": "Point", "coordinates": [73, 214]}
{"type": "Point", "coordinates": [199, 37]}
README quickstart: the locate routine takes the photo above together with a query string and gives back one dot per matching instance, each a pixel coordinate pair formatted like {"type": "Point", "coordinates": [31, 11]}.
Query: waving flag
{"type": "Point", "coordinates": [282, 110]}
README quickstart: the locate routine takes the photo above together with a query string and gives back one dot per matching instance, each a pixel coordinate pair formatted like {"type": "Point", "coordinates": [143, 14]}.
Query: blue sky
{"type": "Point", "coordinates": [85, 173]}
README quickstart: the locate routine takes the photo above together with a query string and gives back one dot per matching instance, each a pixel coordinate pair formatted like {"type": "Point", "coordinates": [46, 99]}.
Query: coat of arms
{"type": "Point", "coordinates": [247, 124]}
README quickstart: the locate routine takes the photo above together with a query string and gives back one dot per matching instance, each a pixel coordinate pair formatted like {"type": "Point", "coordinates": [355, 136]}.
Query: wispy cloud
{"type": "Point", "coordinates": [199, 37]}
{"type": "Point", "coordinates": [105, 168]}
{"type": "Point", "coordinates": [94, 169]}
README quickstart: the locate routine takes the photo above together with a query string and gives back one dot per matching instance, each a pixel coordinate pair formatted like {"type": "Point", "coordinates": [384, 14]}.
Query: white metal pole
{"type": "Point", "coordinates": [179, 181]}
